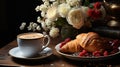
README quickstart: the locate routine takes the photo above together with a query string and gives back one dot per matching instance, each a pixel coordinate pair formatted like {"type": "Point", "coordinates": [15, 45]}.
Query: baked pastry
{"type": "Point", "coordinates": [71, 47]}
{"type": "Point", "coordinates": [88, 41]}
{"type": "Point", "coordinates": [92, 41]}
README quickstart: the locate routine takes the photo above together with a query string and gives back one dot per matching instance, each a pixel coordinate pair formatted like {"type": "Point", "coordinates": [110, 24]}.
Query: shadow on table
{"type": "Point", "coordinates": [111, 62]}
{"type": "Point", "coordinates": [33, 62]}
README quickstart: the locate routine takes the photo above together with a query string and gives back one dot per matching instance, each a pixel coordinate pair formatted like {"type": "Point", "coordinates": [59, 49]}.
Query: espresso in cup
{"type": "Point", "coordinates": [30, 44]}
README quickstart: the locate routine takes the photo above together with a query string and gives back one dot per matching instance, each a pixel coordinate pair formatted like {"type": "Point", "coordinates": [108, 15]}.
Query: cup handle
{"type": "Point", "coordinates": [46, 36]}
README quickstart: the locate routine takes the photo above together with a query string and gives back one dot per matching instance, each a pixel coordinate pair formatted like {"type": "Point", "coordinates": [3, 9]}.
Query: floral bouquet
{"type": "Point", "coordinates": [66, 17]}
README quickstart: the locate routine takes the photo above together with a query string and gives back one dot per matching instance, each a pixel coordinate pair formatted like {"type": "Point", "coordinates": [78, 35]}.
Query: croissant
{"type": "Point", "coordinates": [92, 41]}
{"type": "Point", "coordinates": [71, 47]}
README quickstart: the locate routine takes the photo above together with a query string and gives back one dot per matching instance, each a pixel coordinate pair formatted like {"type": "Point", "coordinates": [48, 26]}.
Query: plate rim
{"type": "Point", "coordinates": [57, 47]}
{"type": "Point", "coordinates": [42, 57]}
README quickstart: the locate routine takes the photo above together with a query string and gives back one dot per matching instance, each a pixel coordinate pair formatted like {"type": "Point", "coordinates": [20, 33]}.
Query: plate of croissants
{"type": "Point", "coordinates": [89, 46]}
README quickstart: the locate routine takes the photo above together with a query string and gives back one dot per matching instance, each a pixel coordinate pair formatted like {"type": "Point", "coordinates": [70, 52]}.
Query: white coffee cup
{"type": "Point", "coordinates": [30, 44]}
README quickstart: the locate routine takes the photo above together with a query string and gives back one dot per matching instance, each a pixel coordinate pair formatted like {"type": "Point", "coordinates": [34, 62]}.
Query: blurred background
{"type": "Point", "coordinates": [12, 13]}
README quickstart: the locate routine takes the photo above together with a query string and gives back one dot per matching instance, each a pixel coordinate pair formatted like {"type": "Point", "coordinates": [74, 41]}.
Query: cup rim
{"type": "Point", "coordinates": [18, 36]}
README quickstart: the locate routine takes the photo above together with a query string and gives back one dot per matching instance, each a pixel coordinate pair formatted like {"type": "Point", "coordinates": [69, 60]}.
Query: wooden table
{"type": "Point", "coordinates": [55, 60]}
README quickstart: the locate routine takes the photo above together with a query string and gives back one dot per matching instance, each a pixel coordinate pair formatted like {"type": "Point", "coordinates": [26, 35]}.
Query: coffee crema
{"type": "Point", "coordinates": [30, 35]}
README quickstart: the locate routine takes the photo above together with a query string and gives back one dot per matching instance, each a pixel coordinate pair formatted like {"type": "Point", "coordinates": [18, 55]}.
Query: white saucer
{"type": "Point", "coordinates": [43, 54]}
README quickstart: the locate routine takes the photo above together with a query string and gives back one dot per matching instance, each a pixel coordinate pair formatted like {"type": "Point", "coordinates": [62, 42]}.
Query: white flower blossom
{"type": "Point", "coordinates": [34, 25]}
{"type": "Point", "coordinates": [61, 1]}
{"type": "Point", "coordinates": [38, 28]}
{"type": "Point", "coordinates": [63, 9]}
{"type": "Point", "coordinates": [37, 8]}
{"type": "Point", "coordinates": [55, 4]}
{"type": "Point", "coordinates": [75, 18]}
{"type": "Point", "coordinates": [52, 13]}
{"type": "Point", "coordinates": [43, 14]}
{"type": "Point", "coordinates": [56, 12]}
{"type": "Point", "coordinates": [45, 0]}
{"type": "Point", "coordinates": [46, 3]}
{"type": "Point", "coordinates": [52, 0]}
{"type": "Point", "coordinates": [74, 2]}
{"type": "Point", "coordinates": [30, 26]}
{"type": "Point", "coordinates": [43, 7]}
{"type": "Point", "coordinates": [54, 32]}
{"type": "Point", "coordinates": [39, 19]}
{"type": "Point", "coordinates": [44, 26]}
{"type": "Point", "coordinates": [49, 23]}
{"type": "Point", "coordinates": [22, 26]}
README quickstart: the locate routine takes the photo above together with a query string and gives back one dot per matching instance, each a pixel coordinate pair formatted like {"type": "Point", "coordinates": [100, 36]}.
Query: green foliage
{"type": "Point", "coordinates": [61, 22]}
{"type": "Point", "coordinates": [91, 6]}
{"type": "Point", "coordinates": [86, 3]}
{"type": "Point", "coordinates": [68, 31]}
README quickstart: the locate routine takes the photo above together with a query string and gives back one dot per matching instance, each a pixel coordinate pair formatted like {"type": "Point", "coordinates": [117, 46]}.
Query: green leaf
{"type": "Point", "coordinates": [86, 3]}
{"type": "Point", "coordinates": [91, 6]}
{"type": "Point", "coordinates": [61, 22]}
{"type": "Point", "coordinates": [68, 31]}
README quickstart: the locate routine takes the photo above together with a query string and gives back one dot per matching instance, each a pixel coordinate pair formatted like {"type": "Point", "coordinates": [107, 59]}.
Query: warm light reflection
{"type": "Point", "coordinates": [114, 6]}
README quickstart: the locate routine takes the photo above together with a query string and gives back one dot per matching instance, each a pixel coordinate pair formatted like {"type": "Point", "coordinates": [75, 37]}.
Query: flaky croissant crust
{"type": "Point", "coordinates": [89, 41]}
{"type": "Point", "coordinates": [71, 47]}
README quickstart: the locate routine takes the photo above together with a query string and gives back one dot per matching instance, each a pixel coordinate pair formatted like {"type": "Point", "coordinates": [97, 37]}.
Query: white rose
{"type": "Point", "coordinates": [75, 18]}
{"type": "Point", "coordinates": [55, 4]}
{"type": "Point", "coordinates": [63, 9]}
{"type": "Point", "coordinates": [52, 13]}
{"type": "Point", "coordinates": [54, 32]}
{"type": "Point", "coordinates": [62, 1]}
{"type": "Point", "coordinates": [74, 2]}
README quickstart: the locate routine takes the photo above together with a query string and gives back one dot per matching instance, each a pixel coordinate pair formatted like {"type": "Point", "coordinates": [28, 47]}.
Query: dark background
{"type": "Point", "coordinates": [12, 13]}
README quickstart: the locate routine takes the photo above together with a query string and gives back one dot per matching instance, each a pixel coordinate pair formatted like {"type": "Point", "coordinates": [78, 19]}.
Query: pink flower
{"type": "Point", "coordinates": [90, 12]}
{"type": "Point", "coordinates": [97, 14]}
{"type": "Point", "coordinates": [97, 5]}
{"type": "Point", "coordinates": [94, 13]}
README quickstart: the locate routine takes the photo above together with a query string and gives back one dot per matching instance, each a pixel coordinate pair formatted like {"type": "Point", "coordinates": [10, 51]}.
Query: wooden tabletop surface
{"type": "Point", "coordinates": [55, 60]}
